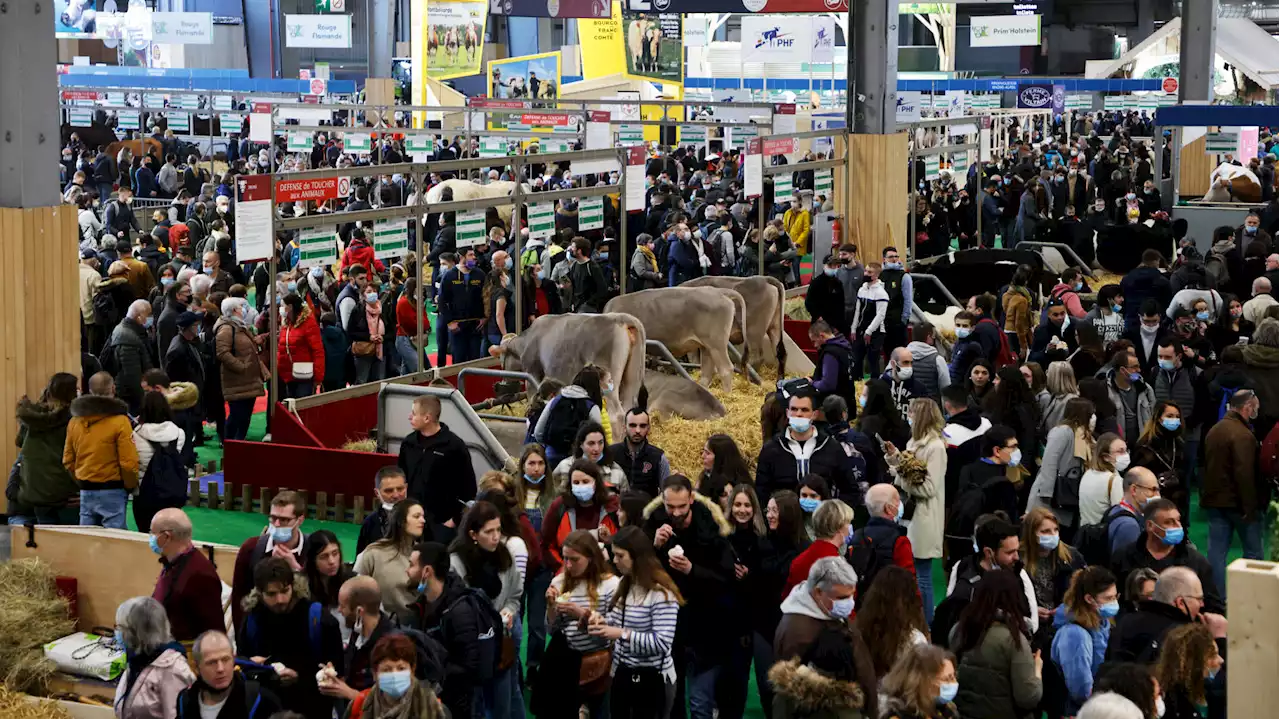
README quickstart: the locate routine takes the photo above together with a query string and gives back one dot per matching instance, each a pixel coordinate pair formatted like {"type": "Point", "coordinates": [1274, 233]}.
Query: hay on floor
{"type": "Point", "coordinates": [682, 439]}
{"type": "Point", "coordinates": [31, 615]}
{"type": "Point", "coordinates": [15, 705]}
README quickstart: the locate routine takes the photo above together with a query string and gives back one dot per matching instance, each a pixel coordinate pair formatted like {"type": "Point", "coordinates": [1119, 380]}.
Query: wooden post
{"type": "Point", "coordinates": [213, 496]}
{"type": "Point", "coordinates": [322, 506]}
{"type": "Point", "coordinates": [246, 498]}
{"type": "Point", "coordinates": [229, 495]}
{"type": "Point", "coordinates": [193, 492]}
{"type": "Point", "coordinates": [339, 508]}
{"type": "Point", "coordinates": [303, 493]}
{"type": "Point", "coordinates": [358, 510]}
{"type": "Point", "coordinates": [264, 495]}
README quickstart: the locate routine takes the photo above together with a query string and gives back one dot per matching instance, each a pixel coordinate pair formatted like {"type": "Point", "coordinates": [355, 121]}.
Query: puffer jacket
{"type": "Point", "coordinates": [801, 691]}
{"type": "Point", "coordinates": [997, 679]}
{"type": "Point", "coordinates": [301, 342]}
{"type": "Point", "coordinates": [133, 353]}
{"type": "Point", "coordinates": [154, 694]}
{"type": "Point", "coordinates": [360, 252]}
{"type": "Point", "coordinates": [99, 452]}
{"type": "Point", "coordinates": [42, 435]}
{"type": "Point", "coordinates": [1079, 652]}
{"type": "Point", "coordinates": [238, 363]}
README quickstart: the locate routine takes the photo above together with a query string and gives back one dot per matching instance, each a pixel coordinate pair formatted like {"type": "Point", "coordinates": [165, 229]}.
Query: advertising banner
{"type": "Point", "coordinates": [531, 77]}
{"type": "Point", "coordinates": [776, 38]}
{"type": "Point", "coordinates": [328, 31]}
{"type": "Point", "coordinates": [1004, 31]}
{"type": "Point", "coordinates": [1035, 97]}
{"type": "Point", "coordinates": [550, 8]}
{"type": "Point", "coordinates": [739, 6]}
{"type": "Point", "coordinates": [654, 49]}
{"type": "Point", "coordinates": [908, 107]}
{"type": "Point", "coordinates": [601, 41]}
{"type": "Point", "coordinates": [1059, 99]}
{"type": "Point", "coordinates": [454, 38]}
{"type": "Point", "coordinates": [182, 28]}
{"type": "Point", "coordinates": [695, 31]}
{"type": "Point", "coordinates": [824, 40]}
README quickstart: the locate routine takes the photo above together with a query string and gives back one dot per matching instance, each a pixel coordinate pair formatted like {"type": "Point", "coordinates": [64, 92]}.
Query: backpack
{"type": "Point", "coordinates": [1044, 311]}
{"type": "Point", "coordinates": [107, 358]}
{"type": "Point", "coordinates": [1227, 393]}
{"type": "Point", "coordinates": [314, 614]}
{"type": "Point", "coordinates": [867, 559]}
{"type": "Point", "coordinates": [1004, 356]}
{"type": "Point", "coordinates": [566, 417]}
{"type": "Point", "coordinates": [1066, 486]}
{"type": "Point", "coordinates": [165, 480]}
{"type": "Point", "coordinates": [1094, 540]}
{"type": "Point", "coordinates": [105, 312]}
{"type": "Point", "coordinates": [432, 656]}
{"type": "Point", "coordinates": [490, 638]}
{"type": "Point", "coordinates": [968, 506]}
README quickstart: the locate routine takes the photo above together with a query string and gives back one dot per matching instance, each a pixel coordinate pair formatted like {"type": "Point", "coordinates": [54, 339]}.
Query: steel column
{"type": "Point", "coordinates": [1195, 57]}
{"type": "Point", "coordinates": [29, 142]}
{"type": "Point", "coordinates": [873, 67]}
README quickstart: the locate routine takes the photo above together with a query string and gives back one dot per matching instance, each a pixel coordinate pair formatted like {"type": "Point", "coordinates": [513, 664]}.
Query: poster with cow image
{"type": "Point", "coordinates": [654, 46]}
{"type": "Point", "coordinates": [532, 79]}
{"type": "Point", "coordinates": [455, 38]}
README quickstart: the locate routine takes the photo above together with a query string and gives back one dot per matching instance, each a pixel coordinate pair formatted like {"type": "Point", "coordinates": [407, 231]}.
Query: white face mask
{"type": "Point", "coordinates": [1122, 462]}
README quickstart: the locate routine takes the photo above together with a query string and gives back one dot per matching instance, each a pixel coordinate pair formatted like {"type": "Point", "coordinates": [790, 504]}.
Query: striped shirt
{"type": "Point", "coordinates": [519, 552]}
{"type": "Point", "coordinates": [651, 619]}
{"type": "Point", "coordinates": [579, 640]}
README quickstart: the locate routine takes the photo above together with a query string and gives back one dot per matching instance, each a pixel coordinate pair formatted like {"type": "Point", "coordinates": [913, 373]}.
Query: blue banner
{"type": "Point", "coordinates": [1035, 97]}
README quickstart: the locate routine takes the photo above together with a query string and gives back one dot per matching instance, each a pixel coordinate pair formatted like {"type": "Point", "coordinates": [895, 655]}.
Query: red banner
{"type": "Point", "coordinates": [636, 156]}
{"type": "Point", "coordinates": [601, 116]}
{"type": "Point", "coordinates": [299, 190]}
{"type": "Point", "coordinates": [780, 147]}
{"type": "Point", "coordinates": [785, 109]}
{"type": "Point", "coordinates": [545, 119]}
{"type": "Point", "coordinates": [79, 95]}
{"type": "Point", "coordinates": [492, 104]}
{"type": "Point", "coordinates": [254, 187]}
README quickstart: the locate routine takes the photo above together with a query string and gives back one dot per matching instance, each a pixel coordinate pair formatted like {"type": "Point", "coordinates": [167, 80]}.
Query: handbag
{"type": "Point", "coordinates": [1066, 486]}
{"type": "Point", "coordinates": [361, 348]}
{"type": "Point", "coordinates": [594, 674]}
{"type": "Point", "coordinates": [1168, 479]}
{"type": "Point", "coordinates": [301, 370]}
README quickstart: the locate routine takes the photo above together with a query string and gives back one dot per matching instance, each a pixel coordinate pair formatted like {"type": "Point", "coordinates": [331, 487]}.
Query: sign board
{"type": "Point", "coordinates": [753, 172]}
{"type": "Point", "coordinates": [470, 228]}
{"type": "Point", "coordinates": [1221, 142]}
{"type": "Point", "coordinates": [80, 95]}
{"type": "Point", "coordinates": [300, 142]}
{"type": "Point", "coordinates": [182, 28]}
{"type": "Point", "coordinates": [317, 246]}
{"type": "Point", "coordinates": [908, 106]}
{"type": "Point", "coordinates": [81, 117]}
{"type": "Point", "coordinates": [599, 132]}
{"type": "Point", "coordinates": [823, 183]}
{"type": "Point", "coordinates": [357, 143]}
{"type": "Point", "coordinates": [630, 135]}
{"type": "Point", "coordinates": [230, 123]}
{"type": "Point", "coordinates": [780, 147]}
{"type": "Point", "coordinates": [128, 121]}
{"type": "Point", "coordinates": [550, 146]}
{"type": "Point", "coordinates": [960, 165]}
{"type": "Point", "coordinates": [327, 31]}
{"type": "Point", "coordinates": [931, 167]}
{"type": "Point", "coordinates": [776, 38]}
{"type": "Point", "coordinates": [253, 217]}
{"type": "Point", "coordinates": [493, 147]}
{"type": "Point", "coordinates": [300, 190]}
{"type": "Point", "coordinates": [591, 213]}
{"type": "Point", "coordinates": [691, 134]}
{"type": "Point", "coordinates": [635, 179]}
{"type": "Point", "coordinates": [178, 121]}
{"type": "Point", "coordinates": [260, 123]}
{"type": "Point", "coordinates": [222, 103]}
{"type": "Point", "coordinates": [1035, 97]}
{"type": "Point", "coordinates": [1004, 31]}
{"type": "Point", "coordinates": [542, 220]}
{"type": "Point", "coordinates": [783, 187]}
{"type": "Point", "coordinates": [1169, 85]}
{"type": "Point", "coordinates": [390, 238]}
{"type": "Point", "coordinates": [319, 87]}
{"type": "Point", "coordinates": [420, 142]}
{"type": "Point", "coordinates": [344, 186]}
{"type": "Point", "coordinates": [823, 40]}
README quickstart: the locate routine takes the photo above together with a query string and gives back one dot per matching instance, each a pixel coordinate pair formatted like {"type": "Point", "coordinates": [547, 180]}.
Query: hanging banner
{"type": "Point", "coordinates": [1035, 97]}
{"type": "Point", "coordinates": [178, 121]}
{"type": "Point", "coordinates": [932, 167]}
{"type": "Point", "coordinates": [317, 247]}
{"type": "Point", "coordinates": [419, 143]}
{"type": "Point", "coordinates": [654, 47]}
{"type": "Point", "coordinates": [1004, 31]}
{"type": "Point", "coordinates": [470, 228]}
{"type": "Point", "coordinates": [601, 41]}
{"type": "Point", "coordinates": [1059, 99]}
{"type": "Point", "coordinates": [230, 124]}
{"type": "Point", "coordinates": [454, 38]}
{"type": "Point", "coordinates": [630, 135]}
{"type": "Point", "coordinates": [776, 38]}
{"type": "Point", "coordinates": [328, 31]}
{"type": "Point", "coordinates": [127, 121]}
{"type": "Point", "coordinates": [960, 165]}
{"type": "Point", "coordinates": [753, 172]}
{"type": "Point", "coordinates": [222, 103]}
{"type": "Point", "coordinates": [691, 134]}
{"type": "Point", "coordinates": [783, 187]}
{"type": "Point", "coordinates": [1221, 142]}
{"type": "Point", "coordinates": [493, 147]}
{"type": "Point", "coordinates": [356, 143]}
{"type": "Point", "coordinates": [635, 188]}
{"type": "Point", "coordinates": [599, 132]}
{"type": "Point", "coordinates": [745, 7]}
{"type": "Point", "coordinates": [550, 8]}
{"type": "Point", "coordinates": [182, 28]}
{"type": "Point", "coordinates": [390, 238]}
{"type": "Point", "coordinates": [908, 108]}
{"type": "Point", "coordinates": [542, 220]}
{"type": "Point", "coordinates": [695, 31]}
{"type": "Point", "coordinates": [253, 217]}
{"type": "Point", "coordinates": [591, 213]}
{"type": "Point", "coordinates": [81, 118]}
{"type": "Point", "coordinates": [531, 77]}
{"type": "Point", "coordinates": [300, 142]}
{"type": "Point", "coordinates": [824, 40]}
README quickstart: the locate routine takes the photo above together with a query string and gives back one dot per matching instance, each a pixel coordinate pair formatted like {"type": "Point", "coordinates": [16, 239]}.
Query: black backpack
{"type": "Point", "coordinates": [566, 417]}
{"type": "Point", "coordinates": [166, 478]}
{"type": "Point", "coordinates": [1066, 487]}
{"type": "Point", "coordinates": [867, 558]}
{"type": "Point", "coordinates": [1094, 540]}
{"type": "Point", "coordinates": [490, 637]}
{"type": "Point", "coordinates": [968, 506]}
{"type": "Point", "coordinates": [105, 312]}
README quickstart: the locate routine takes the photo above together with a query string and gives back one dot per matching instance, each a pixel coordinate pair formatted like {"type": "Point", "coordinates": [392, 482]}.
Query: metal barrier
{"type": "Point", "coordinates": [937, 283]}
{"type": "Point", "coordinates": [666, 354]}
{"type": "Point", "coordinates": [508, 374]}
{"type": "Point", "coordinates": [1064, 249]}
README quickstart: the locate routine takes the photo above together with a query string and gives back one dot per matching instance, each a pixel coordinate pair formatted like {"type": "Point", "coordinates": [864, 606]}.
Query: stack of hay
{"type": "Point", "coordinates": [683, 439]}
{"type": "Point", "coordinates": [14, 705]}
{"type": "Point", "coordinates": [31, 615]}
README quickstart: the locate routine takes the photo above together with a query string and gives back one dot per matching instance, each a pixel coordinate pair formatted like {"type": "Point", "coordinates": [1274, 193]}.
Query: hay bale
{"type": "Point", "coordinates": [683, 439]}
{"type": "Point", "coordinates": [794, 309]}
{"type": "Point", "coordinates": [360, 445]}
{"type": "Point", "coordinates": [31, 615]}
{"type": "Point", "coordinates": [15, 705]}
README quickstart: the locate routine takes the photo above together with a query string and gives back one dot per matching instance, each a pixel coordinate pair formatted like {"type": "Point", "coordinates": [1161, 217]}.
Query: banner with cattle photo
{"type": "Point", "coordinates": [654, 46]}
{"type": "Point", "coordinates": [455, 38]}
{"type": "Point", "coordinates": [531, 83]}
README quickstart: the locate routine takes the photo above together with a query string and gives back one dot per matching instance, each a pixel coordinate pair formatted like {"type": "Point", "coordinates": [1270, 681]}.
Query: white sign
{"type": "Point", "coordinates": [127, 121]}
{"type": "Point", "coordinates": [230, 123]}
{"type": "Point", "coordinates": [317, 246]}
{"type": "Point", "coordinates": [357, 143]}
{"type": "Point", "coordinates": [260, 127]}
{"type": "Point", "coordinates": [591, 213]}
{"type": "Point", "coordinates": [182, 28]}
{"type": "Point", "coordinates": [753, 175]}
{"type": "Point", "coordinates": [542, 220]}
{"type": "Point", "coordinates": [823, 39]}
{"type": "Point", "coordinates": [908, 108]}
{"type": "Point", "coordinates": [179, 121]}
{"type": "Point", "coordinates": [331, 31]}
{"type": "Point", "coordinates": [1004, 31]}
{"type": "Point", "coordinates": [253, 217]}
{"type": "Point", "coordinates": [776, 38]}
{"type": "Point", "coordinates": [81, 118]}
{"type": "Point", "coordinates": [390, 238]}
{"type": "Point", "coordinates": [222, 103]}
{"type": "Point", "coordinates": [695, 30]}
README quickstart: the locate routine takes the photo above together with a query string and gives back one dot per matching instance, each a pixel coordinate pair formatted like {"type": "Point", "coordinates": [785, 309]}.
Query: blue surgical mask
{"type": "Point", "coordinates": [1213, 673]}
{"type": "Point", "coordinates": [1015, 459]}
{"type": "Point", "coordinates": [148, 322]}
{"type": "Point", "coordinates": [293, 286]}
{"type": "Point", "coordinates": [842, 608]}
{"type": "Point", "coordinates": [829, 271]}
{"type": "Point", "coordinates": [583, 492]}
{"type": "Point", "coordinates": [809, 504]}
{"type": "Point", "coordinates": [155, 545]}
{"type": "Point", "coordinates": [542, 274]}
{"type": "Point", "coordinates": [281, 535]}
{"type": "Point", "coordinates": [1202, 316]}
{"type": "Point", "coordinates": [1135, 376]}
{"type": "Point", "coordinates": [533, 480]}
{"type": "Point", "coordinates": [119, 635]}
{"type": "Point", "coordinates": [1048, 541]}
{"type": "Point", "coordinates": [1109, 610]}
{"type": "Point", "coordinates": [166, 281]}
{"type": "Point", "coordinates": [1117, 308]}
{"type": "Point", "coordinates": [862, 400]}
{"type": "Point", "coordinates": [947, 692]}
{"type": "Point", "coordinates": [962, 332]}
{"type": "Point", "coordinates": [371, 297]}
{"type": "Point", "coordinates": [902, 510]}
{"type": "Point", "coordinates": [317, 272]}
{"type": "Point", "coordinates": [1250, 230]}
{"type": "Point", "coordinates": [1174, 536]}
{"type": "Point", "coordinates": [395, 684]}
{"type": "Point", "coordinates": [1171, 423]}
{"type": "Point", "coordinates": [1166, 364]}
{"type": "Point", "coordinates": [1078, 286]}
{"type": "Point", "coordinates": [799, 425]}
{"type": "Point", "coordinates": [208, 270]}
{"type": "Point", "coordinates": [422, 587]}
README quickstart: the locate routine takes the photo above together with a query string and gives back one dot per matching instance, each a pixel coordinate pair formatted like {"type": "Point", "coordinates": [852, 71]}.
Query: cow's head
{"type": "Point", "coordinates": [509, 352]}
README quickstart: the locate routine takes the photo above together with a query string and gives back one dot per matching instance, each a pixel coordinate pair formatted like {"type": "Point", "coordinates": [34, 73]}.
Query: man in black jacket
{"type": "Point", "coordinates": [645, 465]}
{"type": "Point", "coordinates": [825, 299]}
{"type": "Point", "coordinates": [1055, 339]}
{"type": "Point", "coordinates": [984, 487]}
{"type": "Point", "coordinates": [985, 330]}
{"type": "Point", "coordinates": [800, 450]}
{"type": "Point", "coordinates": [691, 541]}
{"type": "Point", "coordinates": [391, 487]}
{"type": "Point", "coordinates": [444, 612]}
{"type": "Point", "coordinates": [589, 287]}
{"type": "Point", "coordinates": [182, 360]}
{"type": "Point", "coordinates": [218, 683]}
{"type": "Point", "coordinates": [1147, 335]}
{"type": "Point", "coordinates": [1163, 544]}
{"type": "Point", "coordinates": [963, 433]}
{"type": "Point", "coordinates": [1178, 599]}
{"type": "Point", "coordinates": [1147, 281]}
{"type": "Point", "coordinates": [437, 467]}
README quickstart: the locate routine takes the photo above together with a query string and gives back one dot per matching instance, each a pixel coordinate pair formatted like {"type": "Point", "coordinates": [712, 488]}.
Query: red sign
{"type": "Point", "coordinates": [311, 99]}
{"type": "Point", "coordinates": [545, 119]}
{"type": "Point", "coordinates": [261, 107]}
{"type": "Point", "coordinates": [299, 190]}
{"type": "Point", "coordinates": [601, 116]}
{"type": "Point", "coordinates": [780, 147]}
{"type": "Point", "coordinates": [785, 109]}
{"type": "Point", "coordinates": [79, 95]}
{"type": "Point", "coordinates": [753, 146]}
{"type": "Point", "coordinates": [485, 102]}
{"type": "Point", "coordinates": [635, 156]}
{"type": "Point", "coordinates": [254, 187]}
{"type": "Point", "coordinates": [319, 86]}
{"type": "Point", "coordinates": [1169, 85]}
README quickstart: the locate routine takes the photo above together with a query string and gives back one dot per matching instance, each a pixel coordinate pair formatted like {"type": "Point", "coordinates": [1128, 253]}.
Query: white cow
{"type": "Point", "coordinates": [468, 190]}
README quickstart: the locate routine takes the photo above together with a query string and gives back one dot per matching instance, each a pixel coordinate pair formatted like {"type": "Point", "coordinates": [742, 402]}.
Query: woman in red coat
{"type": "Point", "coordinates": [300, 352]}
{"type": "Point", "coordinates": [360, 252]}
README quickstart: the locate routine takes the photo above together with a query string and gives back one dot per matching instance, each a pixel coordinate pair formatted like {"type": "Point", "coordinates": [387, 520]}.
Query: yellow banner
{"type": "Point", "coordinates": [602, 48]}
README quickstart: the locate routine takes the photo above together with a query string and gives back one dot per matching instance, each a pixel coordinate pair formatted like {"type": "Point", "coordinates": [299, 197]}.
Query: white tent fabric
{"type": "Point", "coordinates": [1239, 41]}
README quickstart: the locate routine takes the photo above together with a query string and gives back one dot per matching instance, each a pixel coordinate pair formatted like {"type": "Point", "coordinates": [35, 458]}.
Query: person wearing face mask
{"type": "Point", "coordinates": [1163, 543]}
{"type": "Point", "coordinates": [1147, 335]}
{"type": "Point", "coordinates": [1191, 673]}
{"type": "Point", "coordinates": [831, 522]}
{"type": "Point", "coordinates": [128, 354]}
{"type": "Point", "coordinates": [1230, 492]}
{"type": "Point", "coordinates": [1068, 289]}
{"type": "Point", "coordinates": [882, 535]}
{"type": "Point", "coordinates": [156, 668]}
{"type": "Point", "coordinates": [1130, 393]}
{"type": "Point", "coordinates": [825, 299]}
{"type": "Point", "coordinates": [462, 307]}
{"type": "Point", "coordinates": [300, 352]}
{"type": "Point", "coordinates": [1101, 485]}
{"type": "Point", "coordinates": [242, 372]}
{"type": "Point", "coordinates": [921, 685]}
{"type": "Point", "coordinates": [358, 608]}
{"type": "Point", "coordinates": [1177, 600]}
{"type": "Point", "coordinates": [801, 449]}
{"type": "Point", "coordinates": [1055, 338]}
{"type": "Point", "coordinates": [1083, 624]}
{"type": "Point", "coordinates": [188, 585]}
{"type": "Point", "coordinates": [1252, 231]}
{"type": "Point", "coordinates": [591, 444]}
{"type": "Point", "coordinates": [1145, 282]}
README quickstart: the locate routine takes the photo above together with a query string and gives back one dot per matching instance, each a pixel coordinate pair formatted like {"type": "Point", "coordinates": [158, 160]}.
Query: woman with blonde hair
{"type": "Point", "coordinates": [1048, 561]}
{"type": "Point", "coordinates": [1189, 660]}
{"type": "Point", "coordinates": [921, 685]}
{"type": "Point", "coordinates": [1068, 448]}
{"type": "Point", "coordinates": [1102, 485]}
{"type": "Point", "coordinates": [1060, 383]}
{"type": "Point", "coordinates": [576, 664]}
{"type": "Point", "coordinates": [917, 471]}
{"type": "Point", "coordinates": [1083, 624]}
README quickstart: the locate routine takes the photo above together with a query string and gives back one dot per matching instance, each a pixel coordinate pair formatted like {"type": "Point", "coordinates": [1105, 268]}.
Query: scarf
{"type": "Point", "coordinates": [418, 703]}
{"type": "Point", "coordinates": [484, 575]}
{"type": "Point", "coordinates": [648, 255]}
{"type": "Point", "coordinates": [373, 313]}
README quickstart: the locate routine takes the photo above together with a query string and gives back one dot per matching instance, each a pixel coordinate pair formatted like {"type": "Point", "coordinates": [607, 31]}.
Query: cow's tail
{"type": "Point", "coordinates": [634, 369]}
{"type": "Point", "coordinates": [782, 332]}
{"type": "Point", "coordinates": [642, 398]}
{"type": "Point", "coordinates": [740, 309]}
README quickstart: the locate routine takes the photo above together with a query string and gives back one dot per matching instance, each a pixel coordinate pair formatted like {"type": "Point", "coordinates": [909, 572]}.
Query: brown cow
{"type": "Point", "coordinates": [687, 320]}
{"type": "Point", "coordinates": [764, 300]}
{"type": "Point", "coordinates": [671, 394]}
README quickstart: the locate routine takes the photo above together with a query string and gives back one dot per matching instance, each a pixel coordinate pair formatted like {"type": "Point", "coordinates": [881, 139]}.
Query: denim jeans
{"type": "Point", "coordinates": [239, 413]}
{"type": "Point", "coordinates": [701, 682]}
{"type": "Point", "coordinates": [103, 508]}
{"type": "Point", "coordinates": [368, 369]}
{"type": "Point", "coordinates": [924, 580]}
{"type": "Point", "coordinates": [409, 354]}
{"type": "Point", "coordinates": [535, 612]}
{"type": "Point", "coordinates": [504, 698]}
{"type": "Point", "coordinates": [1222, 524]}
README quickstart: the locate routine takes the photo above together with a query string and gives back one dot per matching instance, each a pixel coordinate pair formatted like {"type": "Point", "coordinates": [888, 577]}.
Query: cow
{"type": "Point", "coordinates": [764, 298]}
{"type": "Point", "coordinates": [559, 346]}
{"type": "Point", "coordinates": [636, 43]}
{"type": "Point", "coordinates": [468, 190]}
{"type": "Point", "coordinates": [670, 394]}
{"type": "Point", "coordinates": [1233, 183]}
{"type": "Point", "coordinates": [472, 41]}
{"type": "Point", "coordinates": [689, 319]}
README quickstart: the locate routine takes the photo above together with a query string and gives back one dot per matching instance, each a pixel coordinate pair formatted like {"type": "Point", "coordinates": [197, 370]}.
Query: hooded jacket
{"type": "Point", "coordinates": [99, 452]}
{"type": "Point", "coordinates": [1261, 364]}
{"type": "Point", "coordinates": [359, 252]}
{"type": "Point", "coordinates": [457, 626]}
{"type": "Point", "coordinates": [154, 693]}
{"type": "Point", "coordinates": [963, 435]}
{"type": "Point", "coordinates": [42, 435]}
{"type": "Point", "coordinates": [1078, 652]}
{"type": "Point", "coordinates": [1144, 405]}
{"type": "Point", "coordinates": [997, 677]}
{"type": "Point", "coordinates": [301, 342]}
{"type": "Point", "coordinates": [831, 372]}
{"type": "Point", "coordinates": [931, 374]}
{"type": "Point", "coordinates": [802, 691]}
{"type": "Point", "coordinates": [783, 463]}
{"type": "Point", "coordinates": [803, 621]}
{"type": "Point", "coordinates": [160, 433]}
{"type": "Point", "coordinates": [248, 700]}
{"type": "Point", "coordinates": [238, 361]}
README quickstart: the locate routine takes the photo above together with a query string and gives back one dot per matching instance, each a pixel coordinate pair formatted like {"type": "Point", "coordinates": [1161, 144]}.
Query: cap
{"type": "Point", "coordinates": [186, 319]}
{"type": "Point", "coordinates": [87, 254]}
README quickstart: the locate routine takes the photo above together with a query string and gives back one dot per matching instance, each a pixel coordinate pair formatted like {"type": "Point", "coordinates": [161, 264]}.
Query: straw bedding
{"type": "Point", "coordinates": [31, 615]}
{"type": "Point", "coordinates": [682, 439]}
{"type": "Point", "coordinates": [14, 705]}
